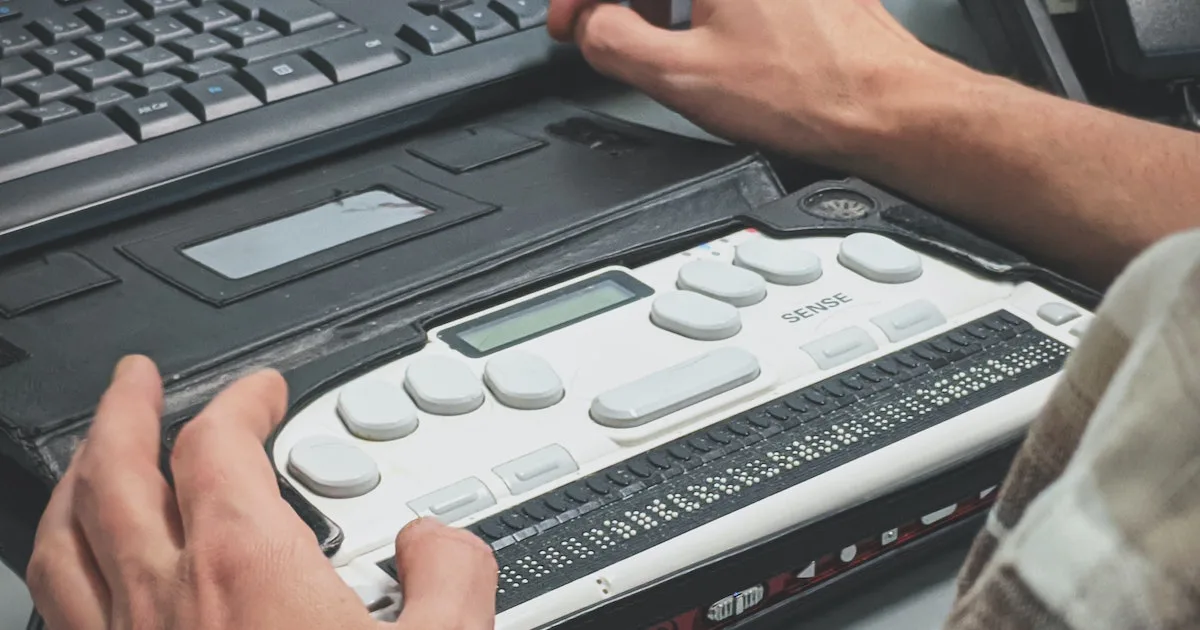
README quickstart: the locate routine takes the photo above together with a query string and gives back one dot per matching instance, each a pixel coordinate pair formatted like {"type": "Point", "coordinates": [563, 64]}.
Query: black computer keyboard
{"type": "Point", "coordinates": [114, 107]}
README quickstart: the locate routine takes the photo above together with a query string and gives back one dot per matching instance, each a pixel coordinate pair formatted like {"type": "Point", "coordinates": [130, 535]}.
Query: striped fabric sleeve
{"type": "Point", "coordinates": [1097, 526]}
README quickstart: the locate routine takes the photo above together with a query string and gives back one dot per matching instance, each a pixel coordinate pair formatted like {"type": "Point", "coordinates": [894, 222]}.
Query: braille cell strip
{"type": "Point", "coordinates": [655, 496]}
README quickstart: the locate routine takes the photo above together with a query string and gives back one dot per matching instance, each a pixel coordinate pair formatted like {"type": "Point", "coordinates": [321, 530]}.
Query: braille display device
{"type": "Point", "coordinates": [666, 395]}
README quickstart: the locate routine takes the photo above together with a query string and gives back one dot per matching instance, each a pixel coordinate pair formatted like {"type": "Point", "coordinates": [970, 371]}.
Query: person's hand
{"type": "Point", "coordinates": [806, 77]}
{"type": "Point", "coordinates": [120, 548]}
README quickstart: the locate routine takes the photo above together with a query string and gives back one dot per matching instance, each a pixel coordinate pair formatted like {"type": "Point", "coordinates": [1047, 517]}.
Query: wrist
{"type": "Point", "coordinates": [906, 110]}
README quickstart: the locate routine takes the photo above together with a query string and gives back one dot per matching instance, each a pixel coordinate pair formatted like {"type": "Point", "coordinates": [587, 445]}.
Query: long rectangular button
{"type": "Point", "coordinates": [290, 44]}
{"type": "Point", "coordinates": [840, 347]}
{"type": "Point", "coordinates": [59, 144]}
{"type": "Point", "coordinates": [453, 502]}
{"type": "Point", "coordinates": [356, 56]}
{"type": "Point", "coordinates": [534, 469]}
{"type": "Point", "coordinates": [677, 387]}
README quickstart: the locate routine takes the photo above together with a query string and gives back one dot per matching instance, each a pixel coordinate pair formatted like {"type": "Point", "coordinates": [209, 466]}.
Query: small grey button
{"type": "Point", "coordinates": [677, 387]}
{"type": "Point", "coordinates": [539, 467]}
{"type": "Point", "coordinates": [332, 467]}
{"type": "Point", "coordinates": [695, 316]}
{"type": "Point", "coordinates": [840, 347]}
{"type": "Point", "coordinates": [376, 410]}
{"type": "Point", "coordinates": [737, 286]}
{"type": "Point", "coordinates": [1057, 313]}
{"type": "Point", "coordinates": [453, 502]}
{"type": "Point", "coordinates": [910, 319]}
{"type": "Point", "coordinates": [443, 386]}
{"type": "Point", "coordinates": [522, 381]}
{"type": "Point", "coordinates": [780, 262]}
{"type": "Point", "coordinates": [879, 258]}
{"type": "Point", "coordinates": [1079, 329]}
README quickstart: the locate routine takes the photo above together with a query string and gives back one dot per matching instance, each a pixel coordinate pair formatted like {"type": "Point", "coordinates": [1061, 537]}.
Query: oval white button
{"type": "Point", "coordinates": [523, 381]}
{"type": "Point", "coordinates": [780, 262]}
{"type": "Point", "coordinates": [734, 285]}
{"type": "Point", "coordinates": [443, 386]}
{"type": "Point", "coordinates": [879, 258]}
{"type": "Point", "coordinates": [695, 316]}
{"type": "Point", "coordinates": [332, 467]}
{"type": "Point", "coordinates": [376, 410]}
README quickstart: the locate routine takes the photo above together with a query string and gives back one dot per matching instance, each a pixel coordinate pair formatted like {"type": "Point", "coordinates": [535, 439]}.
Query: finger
{"type": "Point", "coordinates": [449, 578]}
{"type": "Point", "coordinates": [620, 43]}
{"type": "Point", "coordinates": [563, 14]}
{"type": "Point", "coordinates": [63, 578]}
{"type": "Point", "coordinates": [123, 503]}
{"type": "Point", "coordinates": [221, 470]}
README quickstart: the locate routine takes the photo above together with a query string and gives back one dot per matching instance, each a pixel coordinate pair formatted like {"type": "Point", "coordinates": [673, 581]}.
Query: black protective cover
{"type": "Point", "coordinates": [523, 197]}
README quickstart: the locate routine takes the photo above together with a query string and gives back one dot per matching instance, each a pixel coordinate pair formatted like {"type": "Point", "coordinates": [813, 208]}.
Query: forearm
{"type": "Point", "coordinates": [1074, 186]}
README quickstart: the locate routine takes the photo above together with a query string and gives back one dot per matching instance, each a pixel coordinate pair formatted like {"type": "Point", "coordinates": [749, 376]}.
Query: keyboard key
{"type": "Point", "coordinates": [479, 24]}
{"type": "Point", "coordinates": [53, 30]}
{"type": "Point", "coordinates": [10, 102]}
{"type": "Point", "coordinates": [150, 60]}
{"type": "Point", "coordinates": [110, 44]}
{"type": "Point", "coordinates": [522, 14]}
{"type": "Point", "coordinates": [16, 70]}
{"type": "Point", "coordinates": [9, 12]}
{"type": "Point", "coordinates": [46, 114]}
{"type": "Point", "coordinates": [66, 142]}
{"type": "Point", "coordinates": [290, 44]}
{"type": "Point", "coordinates": [9, 125]}
{"type": "Point", "coordinates": [218, 97]}
{"type": "Point", "coordinates": [160, 30]}
{"type": "Point", "coordinates": [437, 7]}
{"type": "Point", "coordinates": [150, 84]}
{"type": "Point", "coordinates": [45, 90]}
{"type": "Point", "coordinates": [248, 34]}
{"type": "Point", "coordinates": [283, 78]}
{"type": "Point", "coordinates": [106, 14]}
{"type": "Point", "coordinates": [292, 16]}
{"type": "Point", "coordinates": [159, 7]}
{"type": "Point", "coordinates": [153, 116]}
{"type": "Point", "coordinates": [99, 100]}
{"type": "Point", "coordinates": [100, 74]}
{"type": "Point", "coordinates": [355, 57]}
{"type": "Point", "coordinates": [202, 69]}
{"type": "Point", "coordinates": [15, 40]}
{"type": "Point", "coordinates": [198, 47]}
{"type": "Point", "coordinates": [432, 35]}
{"type": "Point", "coordinates": [58, 58]}
{"type": "Point", "coordinates": [209, 18]}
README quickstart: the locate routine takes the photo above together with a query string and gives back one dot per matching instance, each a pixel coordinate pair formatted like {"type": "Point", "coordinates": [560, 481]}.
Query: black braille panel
{"type": "Point", "coordinates": [766, 455]}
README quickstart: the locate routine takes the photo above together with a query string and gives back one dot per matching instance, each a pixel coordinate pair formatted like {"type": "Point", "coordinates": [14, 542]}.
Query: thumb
{"type": "Point", "coordinates": [448, 577]}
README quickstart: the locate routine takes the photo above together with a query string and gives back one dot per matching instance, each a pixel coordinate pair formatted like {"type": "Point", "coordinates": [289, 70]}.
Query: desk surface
{"type": "Point", "coordinates": [922, 599]}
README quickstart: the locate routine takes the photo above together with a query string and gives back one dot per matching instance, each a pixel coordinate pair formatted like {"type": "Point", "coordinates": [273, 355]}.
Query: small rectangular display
{"type": "Point", "coordinates": [552, 311]}
{"type": "Point", "coordinates": [312, 231]}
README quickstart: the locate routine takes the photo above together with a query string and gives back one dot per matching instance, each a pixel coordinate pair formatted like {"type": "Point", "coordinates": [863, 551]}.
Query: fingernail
{"type": "Point", "coordinates": [124, 366]}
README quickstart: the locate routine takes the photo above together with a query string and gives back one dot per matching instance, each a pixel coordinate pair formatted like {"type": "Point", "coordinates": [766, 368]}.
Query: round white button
{"type": "Point", "coordinates": [734, 285]}
{"type": "Point", "coordinates": [780, 262]}
{"type": "Point", "coordinates": [376, 410]}
{"type": "Point", "coordinates": [695, 316]}
{"type": "Point", "coordinates": [333, 468]}
{"type": "Point", "coordinates": [443, 386]}
{"type": "Point", "coordinates": [522, 381]}
{"type": "Point", "coordinates": [879, 258]}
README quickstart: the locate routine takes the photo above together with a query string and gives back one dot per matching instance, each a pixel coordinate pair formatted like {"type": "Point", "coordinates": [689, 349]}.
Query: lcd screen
{"type": "Point", "coordinates": [544, 315]}
{"type": "Point", "coordinates": [312, 231]}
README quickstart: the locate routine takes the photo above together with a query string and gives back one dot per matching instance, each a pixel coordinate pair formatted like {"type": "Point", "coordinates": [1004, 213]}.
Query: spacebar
{"type": "Point", "coordinates": [60, 143]}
